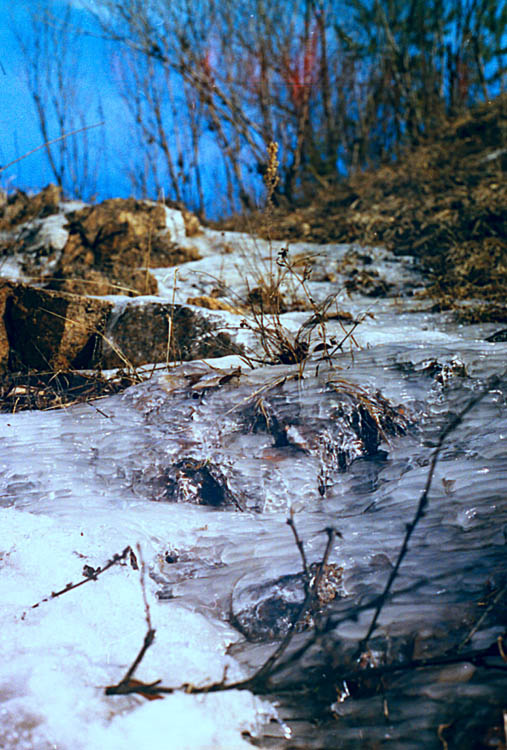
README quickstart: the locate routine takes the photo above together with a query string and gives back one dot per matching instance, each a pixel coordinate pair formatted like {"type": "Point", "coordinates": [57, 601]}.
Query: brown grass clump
{"type": "Point", "coordinates": [54, 390]}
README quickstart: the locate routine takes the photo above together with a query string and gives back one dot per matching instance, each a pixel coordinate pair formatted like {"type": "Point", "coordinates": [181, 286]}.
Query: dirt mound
{"type": "Point", "coordinates": [20, 207]}
{"type": "Point", "coordinates": [444, 202]}
{"type": "Point", "coordinates": [112, 245]}
{"type": "Point", "coordinates": [106, 249]}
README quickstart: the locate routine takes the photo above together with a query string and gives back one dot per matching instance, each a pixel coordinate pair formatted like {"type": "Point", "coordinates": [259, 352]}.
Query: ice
{"type": "Point", "coordinates": [59, 657]}
{"type": "Point", "coordinates": [79, 485]}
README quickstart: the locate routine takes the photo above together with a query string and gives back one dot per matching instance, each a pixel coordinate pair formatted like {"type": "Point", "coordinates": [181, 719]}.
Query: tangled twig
{"type": "Point", "coordinates": [90, 574]}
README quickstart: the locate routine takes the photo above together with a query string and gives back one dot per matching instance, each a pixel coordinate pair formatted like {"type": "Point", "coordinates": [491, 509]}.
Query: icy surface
{"type": "Point", "coordinates": [80, 484]}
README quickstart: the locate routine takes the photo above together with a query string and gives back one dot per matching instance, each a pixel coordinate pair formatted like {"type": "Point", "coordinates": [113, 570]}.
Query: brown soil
{"type": "Point", "coordinates": [444, 202]}
{"type": "Point", "coordinates": [110, 248]}
{"type": "Point", "coordinates": [20, 207]}
{"type": "Point", "coordinates": [110, 243]}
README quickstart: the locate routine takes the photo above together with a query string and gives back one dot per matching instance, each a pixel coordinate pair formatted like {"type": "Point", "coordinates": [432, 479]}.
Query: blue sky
{"type": "Point", "coordinates": [19, 129]}
{"type": "Point", "coordinates": [113, 147]}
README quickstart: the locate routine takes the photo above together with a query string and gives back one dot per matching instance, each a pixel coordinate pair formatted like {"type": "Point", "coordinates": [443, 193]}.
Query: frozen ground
{"type": "Point", "coordinates": [77, 486]}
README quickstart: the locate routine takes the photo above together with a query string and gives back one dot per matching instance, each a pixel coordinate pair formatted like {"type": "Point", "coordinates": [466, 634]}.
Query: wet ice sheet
{"type": "Point", "coordinates": [68, 484]}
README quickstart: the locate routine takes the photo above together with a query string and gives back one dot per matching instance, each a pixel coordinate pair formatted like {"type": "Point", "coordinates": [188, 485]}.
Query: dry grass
{"type": "Point", "coordinates": [54, 390]}
{"type": "Point", "coordinates": [444, 202]}
{"type": "Point", "coordinates": [278, 285]}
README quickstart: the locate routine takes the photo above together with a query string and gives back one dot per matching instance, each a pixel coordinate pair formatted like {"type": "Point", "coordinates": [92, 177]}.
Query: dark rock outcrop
{"type": "Point", "coordinates": [53, 330]}
{"type": "Point", "coordinates": [159, 332]}
{"type": "Point", "coordinates": [42, 330]}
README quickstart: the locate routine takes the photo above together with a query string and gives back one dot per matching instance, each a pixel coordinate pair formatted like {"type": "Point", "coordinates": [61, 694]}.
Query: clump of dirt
{"type": "Point", "coordinates": [112, 245]}
{"type": "Point", "coordinates": [444, 202]}
{"type": "Point", "coordinates": [20, 207]}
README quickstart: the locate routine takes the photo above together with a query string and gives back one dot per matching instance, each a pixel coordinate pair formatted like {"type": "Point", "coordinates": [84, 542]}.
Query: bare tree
{"type": "Point", "coordinates": [339, 85]}
{"type": "Point", "coordinates": [51, 51]}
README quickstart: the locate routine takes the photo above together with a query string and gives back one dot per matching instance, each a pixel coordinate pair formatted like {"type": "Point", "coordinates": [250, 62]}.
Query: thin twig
{"type": "Point", "coordinates": [127, 684]}
{"type": "Point", "coordinates": [299, 545]}
{"type": "Point", "coordinates": [476, 657]}
{"type": "Point", "coordinates": [421, 507]}
{"type": "Point", "coordinates": [90, 574]}
{"type": "Point", "coordinates": [155, 690]}
{"type": "Point", "coordinates": [481, 619]}
{"type": "Point", "coordinates": [50, 143]}
{"type": "Point", "coordinates": [147, 613]}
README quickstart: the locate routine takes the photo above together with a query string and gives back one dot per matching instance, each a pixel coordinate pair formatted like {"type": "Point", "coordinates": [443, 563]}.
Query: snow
{"type": "Point", "coordinates": [58, 658]}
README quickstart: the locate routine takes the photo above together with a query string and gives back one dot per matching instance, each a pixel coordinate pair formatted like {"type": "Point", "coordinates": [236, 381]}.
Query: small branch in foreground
{"type": "Point", "coordinates": [155, 690]}
{"type": "Point", "coordinates": [499, 596]}
{"type": "Point", "coordinates": [367, 672]}
{"type": "Point", "coordinates": [128, 684]}
{"type": "Point", "coordinates": [300, 546]}
{"type": "Point", "coordinates": [476, 657]}
{"type": "Point", "coordinates": [90, 574]}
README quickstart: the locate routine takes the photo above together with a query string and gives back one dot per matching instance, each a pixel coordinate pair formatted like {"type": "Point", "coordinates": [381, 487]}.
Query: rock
{"type": "Point", "coordinates": [192, 225]}
{"type": "Point", "coordinates": [47, 330]}
{"type": "Point", "coordinates": [6, 290]}
{"type": "Point", "coordinates": [20, 207]}
{"type": "Point", "coordinates": [265, 611]}
{"type": "Point", "coordinates": [36, 246]}
{"type": "Point", "coordinates": [111, 246]}
{"type": "Point", "coordinates": [188, 481]}
{"type": "Point", "coordinates": [144, 331]}
{"type": "Point", "coordinates": [53, 330]}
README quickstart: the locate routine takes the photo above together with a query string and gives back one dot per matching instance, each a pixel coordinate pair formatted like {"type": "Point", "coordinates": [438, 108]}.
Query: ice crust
{"type": "Point", "coordinates": [77, 486]}
{"type": "Point", "coordinates": [69, 500]}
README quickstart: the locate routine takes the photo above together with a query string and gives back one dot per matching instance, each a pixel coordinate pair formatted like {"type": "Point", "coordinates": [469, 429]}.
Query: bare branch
{"type": "Point", "coordinates": [50, 143]}
{"type": "Point", "coordinates": [90, 574]}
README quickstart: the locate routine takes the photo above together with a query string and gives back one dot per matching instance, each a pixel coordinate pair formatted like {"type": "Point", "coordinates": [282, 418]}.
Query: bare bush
{"type": "Point", "coordinates": [52, 51]}
{"type": "Point", "coordinates": [337, 85]}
